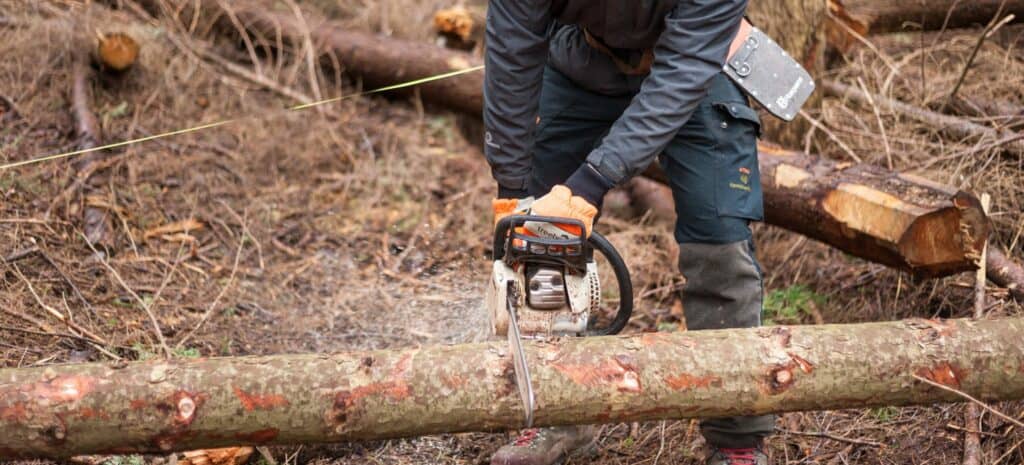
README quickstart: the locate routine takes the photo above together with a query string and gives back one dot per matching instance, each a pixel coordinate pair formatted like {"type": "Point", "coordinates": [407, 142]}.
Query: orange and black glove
{"type": "Point", "coordinates": [561, 203]}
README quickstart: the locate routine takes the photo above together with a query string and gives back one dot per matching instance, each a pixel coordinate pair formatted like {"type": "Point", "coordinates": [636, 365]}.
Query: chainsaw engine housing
{"type": "Point", "coordinates": [549, 301]}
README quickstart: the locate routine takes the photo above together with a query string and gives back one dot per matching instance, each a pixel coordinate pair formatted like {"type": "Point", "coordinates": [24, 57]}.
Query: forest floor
{"type": "Point", "coordinates": [366, 224]}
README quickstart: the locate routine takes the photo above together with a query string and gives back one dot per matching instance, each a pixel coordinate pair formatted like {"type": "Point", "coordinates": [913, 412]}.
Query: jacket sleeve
{"type": "Point", "coordinates": [691, 50]}
{"type": "Point", "coordinates": [517, 48]}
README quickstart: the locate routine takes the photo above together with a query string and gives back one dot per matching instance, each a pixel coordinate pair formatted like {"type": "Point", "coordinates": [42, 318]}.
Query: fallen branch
{"type": "Point", "coordinates": [951, 125]}
{"type": "Point", "coordinates": [1004, 272]}
{"type": "Point", "coordinates": [96, 221]}
{"type": "Point", "coordinates": [161, 406]}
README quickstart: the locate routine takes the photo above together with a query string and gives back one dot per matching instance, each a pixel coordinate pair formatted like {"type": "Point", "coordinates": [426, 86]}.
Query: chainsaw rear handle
{"type": "Point", "coordinates": [596, 242]}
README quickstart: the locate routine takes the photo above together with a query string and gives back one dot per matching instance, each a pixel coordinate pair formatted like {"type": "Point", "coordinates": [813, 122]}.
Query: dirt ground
{"type": "Point", "coordinates": [365, 225]}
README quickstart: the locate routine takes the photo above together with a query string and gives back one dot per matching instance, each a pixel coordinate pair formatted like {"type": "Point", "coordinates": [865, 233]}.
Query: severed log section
{"type": "Point", "coordinates": [160, 406]}
{"type": "Point", "coordinates": [898, 220]}
{"type": "Point", "coordinates": [877, 215]}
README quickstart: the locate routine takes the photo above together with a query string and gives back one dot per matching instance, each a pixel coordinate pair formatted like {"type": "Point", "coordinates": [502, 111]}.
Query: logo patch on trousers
{"type": "Point", "coordinates": [744, 179]}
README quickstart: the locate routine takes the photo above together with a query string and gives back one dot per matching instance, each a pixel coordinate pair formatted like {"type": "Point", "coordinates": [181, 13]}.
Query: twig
{"type": "Point", "coordinates": [818, 124]}
{"type": "Point", "coordinates": [881, 126]}
{"type": "Point", "coordinates": [1008, 452]}
{"type": "Point", "coordinates": [950, 125]}
{"type": "Point", "coordinates": [142, 303]}
{"type": "Point", "coordinates": [972, 416]}
{"type": "Point", "coordinates": [970, 398]}
{"type": "Point", "coordinates": [53, 312]}
{"type": "Point", "coordinates": [20, 254]}
{"type": "Point", "coordinates": [990, 28]}
{"type": "Point", "coordinates": [223, 290]}
{"type": "Point", "coordinates": [661, 448]}
{"type": "Point", "coordinates": [51, 334]}
{"type": "Point", "coordinates": [827, 435]}
{"type": "Point", "coordinates": [93, 340]}
{"type": "Point", "coordinates": [308, 49]}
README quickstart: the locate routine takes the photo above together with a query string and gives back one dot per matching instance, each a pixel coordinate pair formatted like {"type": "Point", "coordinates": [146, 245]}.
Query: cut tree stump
{"type": "Point", "coordinates": [162, 406]}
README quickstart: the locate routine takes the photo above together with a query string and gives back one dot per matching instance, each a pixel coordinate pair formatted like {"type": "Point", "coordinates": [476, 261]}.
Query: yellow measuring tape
{"type": "Point", "coordinates": [436, 77]}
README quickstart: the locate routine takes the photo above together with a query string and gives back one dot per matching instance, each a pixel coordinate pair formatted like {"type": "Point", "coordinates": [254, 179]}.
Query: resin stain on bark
{"type": "Point", "coordinates": [252, 402]}
{"type": "Point", "coordinates": [619, 371]}
{"type": "Point", "coordinates": [943, 373]}
{"type": "Point", "coordinates": [685, 381]}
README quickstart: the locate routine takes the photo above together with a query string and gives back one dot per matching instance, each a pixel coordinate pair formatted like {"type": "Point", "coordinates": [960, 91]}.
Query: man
{"type": "Point", "coordinates": [580, 95]}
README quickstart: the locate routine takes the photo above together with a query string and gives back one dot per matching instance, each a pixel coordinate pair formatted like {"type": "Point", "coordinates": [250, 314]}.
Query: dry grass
{"type": "Point", "coordinates": [344, 229]}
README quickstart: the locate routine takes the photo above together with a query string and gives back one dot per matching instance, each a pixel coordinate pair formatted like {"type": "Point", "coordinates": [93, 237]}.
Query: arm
{"type": "Point", "coordinates": [691, 51]}
{"type": "Point", "coordinates": [517, 48]}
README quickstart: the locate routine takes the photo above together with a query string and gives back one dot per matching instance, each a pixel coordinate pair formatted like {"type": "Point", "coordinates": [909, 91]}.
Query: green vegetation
{"type": "Point", "coordinates": [789, 305]}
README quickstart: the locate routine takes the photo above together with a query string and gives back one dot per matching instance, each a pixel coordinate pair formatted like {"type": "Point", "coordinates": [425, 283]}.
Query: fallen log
{"type": "Point", "coordinates": [1010, 141]}
{"type": "Point", "coordinates": [898, 220]}
{"type": "Point", "coordinates": [881, 216]}
{"type": "Point", "coordinates": [875, 16]}
{"type": "Point", "coordinates": [649, 196]}
{"type": "Point", "coordinates": [377, 60]}
{"type": "Point", "coordinates": [161, 406]}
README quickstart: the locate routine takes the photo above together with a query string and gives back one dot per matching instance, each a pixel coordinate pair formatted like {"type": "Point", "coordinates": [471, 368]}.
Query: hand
{"type": "Point", "coordinates": [561, 203]}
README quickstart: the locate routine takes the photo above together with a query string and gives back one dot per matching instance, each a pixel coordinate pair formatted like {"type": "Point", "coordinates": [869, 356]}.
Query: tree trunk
{"type": "Point", "coordinates": [799, 27]}
{"type": "Point", "coordinates": [925, 228]}
{"type": "Point", "coordinates": [892, 16]}
{"type": "Point", "coordinates": [159, 406]}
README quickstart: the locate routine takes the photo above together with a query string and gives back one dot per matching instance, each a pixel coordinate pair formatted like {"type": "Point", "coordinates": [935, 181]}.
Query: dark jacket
{"type": "Point", "coordinates": [690, 39]}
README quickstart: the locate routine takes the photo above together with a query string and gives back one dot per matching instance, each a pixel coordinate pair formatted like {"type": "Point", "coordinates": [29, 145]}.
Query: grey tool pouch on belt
{"type": "Point", "coordinates": [769, 75]}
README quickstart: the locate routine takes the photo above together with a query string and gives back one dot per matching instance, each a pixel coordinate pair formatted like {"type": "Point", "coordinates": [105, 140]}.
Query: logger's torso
{"type": "Point", "coordinates": [624, 24]}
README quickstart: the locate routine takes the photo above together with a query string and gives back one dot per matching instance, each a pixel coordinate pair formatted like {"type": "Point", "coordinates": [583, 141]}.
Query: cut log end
{"type": "Point", "coordinates": [117, 51]}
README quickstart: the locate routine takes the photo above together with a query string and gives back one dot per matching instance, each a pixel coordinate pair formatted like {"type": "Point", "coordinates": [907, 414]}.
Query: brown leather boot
{"type": "Point", "coordinates": [547, 446]}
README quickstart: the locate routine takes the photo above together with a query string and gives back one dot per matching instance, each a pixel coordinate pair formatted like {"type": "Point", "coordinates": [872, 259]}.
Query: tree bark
{"type": "Point", "coordinates": [925, 228]}
{"type": "Point", "coordinates": [799, 27]}
{"type": "Point", "coordinates": [888, 16]}
{"type": "Point", "coordinates": [160, 406]}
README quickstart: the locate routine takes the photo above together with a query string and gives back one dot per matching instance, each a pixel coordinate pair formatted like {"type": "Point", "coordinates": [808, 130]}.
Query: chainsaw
{"type": "Point", "coordinates": [544, 284]}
